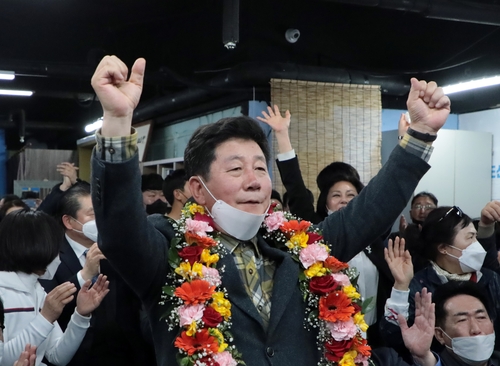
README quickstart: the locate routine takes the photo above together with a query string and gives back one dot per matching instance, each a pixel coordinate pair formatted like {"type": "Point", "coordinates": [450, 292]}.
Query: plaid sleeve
{"type": "Point", "coordinates": [116, 149]}
{"type": "Point", "coordinates": [416, 147]}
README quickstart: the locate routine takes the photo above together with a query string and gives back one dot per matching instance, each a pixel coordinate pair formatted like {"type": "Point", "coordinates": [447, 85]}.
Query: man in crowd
{"type": "Point", "coordinates": [176, 191]}
{"type": "Point", "coordinates": [227, 165]}
{"type": "Point", "coordinates": [115, 325]}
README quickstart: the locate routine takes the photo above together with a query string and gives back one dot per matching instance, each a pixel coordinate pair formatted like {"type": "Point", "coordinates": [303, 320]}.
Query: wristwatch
{"type": "Point", "coordinates": [425, 137]}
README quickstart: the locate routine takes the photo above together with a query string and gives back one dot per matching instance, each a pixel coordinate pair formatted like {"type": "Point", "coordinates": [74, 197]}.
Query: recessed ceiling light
{"type": "Point", "coordinates": [7, 75]}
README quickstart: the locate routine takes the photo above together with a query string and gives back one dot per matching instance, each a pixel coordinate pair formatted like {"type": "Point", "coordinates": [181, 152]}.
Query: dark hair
{"type": "Point", "coordinates": [2, 313]}
{"type": "Point", "coordinates": [13, 203]}
{"type": "Point", "coordinates": [200, 150]}
{"type": "Point", "coordinates": [70, 202]}
{"type": "Point", "coordinates": [151, 181]}
{"type": "Point", "coordinates": [10, 197]}
{"type": "Point", "coordinates": [451, 289]}
{"type": "Point", "coordinates": [276, 196]}
{"type": "Point", "coordinates": [329, 176]}
{"type": "Point", "coordinates": [29, 241]}
{"type": "Point", "coordinates": [437, 230]}
{"type": "Point", "coordinates": [425, 194]}
{"type": "Point", "coordinates": [176, 180]}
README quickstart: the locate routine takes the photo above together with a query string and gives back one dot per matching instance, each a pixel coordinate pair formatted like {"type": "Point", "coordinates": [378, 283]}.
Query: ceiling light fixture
{"type": "Point", "coordinates": [94, 125]}
{"type": "Point", "coordinates": [473, 84]}
{"type": "Point", "coordinates": [17, 93]}
{"type": "Point", "coordinates": [7, 75]}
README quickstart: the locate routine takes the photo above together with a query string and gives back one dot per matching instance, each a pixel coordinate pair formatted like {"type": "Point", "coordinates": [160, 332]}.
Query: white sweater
{"type": "Point", "coordinates": [23, 298]}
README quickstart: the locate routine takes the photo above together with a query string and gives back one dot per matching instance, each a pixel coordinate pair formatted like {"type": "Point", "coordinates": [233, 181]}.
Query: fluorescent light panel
{"type": "Point", "coordinates": [17, 93]}
{"type": "Point", "coordinates": [94, 125]}
{"type": "Point", "coordinates": [7, 75]}
{"type": "Point", "coordinates": [473, 84]}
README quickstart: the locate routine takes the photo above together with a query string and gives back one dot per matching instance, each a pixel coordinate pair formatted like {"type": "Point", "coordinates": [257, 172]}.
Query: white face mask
{"type": "Point", "coordinates": [237, 223]}
{"type": "Point", "coordinates": [472, 257]}
{"type": "Point", "coordinates": [51, 270]}
{"type": "Point", "coordinates": [89, 229]}
{"type": "Point", "coordinates": [473, 350]}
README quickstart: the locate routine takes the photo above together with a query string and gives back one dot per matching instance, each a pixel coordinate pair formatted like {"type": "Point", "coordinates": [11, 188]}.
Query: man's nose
{"type": "Point", "coordinates": [251, 180]}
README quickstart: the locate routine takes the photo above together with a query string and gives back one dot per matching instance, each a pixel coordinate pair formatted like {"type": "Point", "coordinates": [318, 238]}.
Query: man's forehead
{"type": "Point", "coordinates": [463, 304]}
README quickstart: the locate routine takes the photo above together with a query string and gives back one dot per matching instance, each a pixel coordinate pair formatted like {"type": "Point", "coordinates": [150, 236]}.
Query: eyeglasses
{"type": "Point", "coordinates": [423, 207]}
{"type": "Point", "coordinates": [452, 211]}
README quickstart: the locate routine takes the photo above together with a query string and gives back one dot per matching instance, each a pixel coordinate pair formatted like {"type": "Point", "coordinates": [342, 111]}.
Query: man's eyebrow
{"type": "Point", "coordinates": [462, 313]}
{"type": "Point", "coordinates": [240, 157]}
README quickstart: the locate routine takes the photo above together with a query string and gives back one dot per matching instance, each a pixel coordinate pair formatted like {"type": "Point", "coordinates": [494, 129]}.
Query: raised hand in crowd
{"type": "Point", "coordinates": [89, 298]}
{"type": "Point", "coordinates": [280, 126]}
{"type": "Point", "coordinates": [92, 262]}
{"type": "Point", "coordinates": [490, 213]}
{"type": "Point", "coordinates": [399, 261]}
{"type": "Point", "coordinates": [118, 93]}
{"type": "Point", "coordinates": [428, 107]}
{"type": "Point", "coordinates": [418, 337]}
{"type": "Point", "coordinates": [28, 356]}
{"type": "Point", "coordinates": [69, 173]}
{"type": "Point", "coordinates": [403, 224]}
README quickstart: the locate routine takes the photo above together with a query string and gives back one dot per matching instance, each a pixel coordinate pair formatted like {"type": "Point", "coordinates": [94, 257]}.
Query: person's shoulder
{"type": "Point", "coordinates": [163, 224]}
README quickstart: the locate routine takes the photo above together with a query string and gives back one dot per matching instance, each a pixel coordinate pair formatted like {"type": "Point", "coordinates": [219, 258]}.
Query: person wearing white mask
{"type": "Point", "coordinates": [117, 323]}
{"type": "Point", "coordinates": [227, 164]}
{"type": "Point", "coordinates": [29, 244]}
{"type": "Point", "coordinates": [450, 243]}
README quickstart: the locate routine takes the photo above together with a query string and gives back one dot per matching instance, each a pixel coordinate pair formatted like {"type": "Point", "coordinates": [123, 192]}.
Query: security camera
{"type": "Point", "coordinates": [292, 35]}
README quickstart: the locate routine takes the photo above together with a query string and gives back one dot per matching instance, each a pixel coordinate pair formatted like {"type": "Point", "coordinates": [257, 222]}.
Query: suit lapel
{"type": "Point", "coordinates": [68, 258]}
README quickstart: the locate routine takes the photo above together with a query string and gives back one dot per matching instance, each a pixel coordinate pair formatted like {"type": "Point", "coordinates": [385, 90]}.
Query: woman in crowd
{"type": "Point", "coordinates": [455, 255]}
{"type": "Point", "coordinates": [29, 250]}
{"type": "Point", "coordinates": [339, 183]}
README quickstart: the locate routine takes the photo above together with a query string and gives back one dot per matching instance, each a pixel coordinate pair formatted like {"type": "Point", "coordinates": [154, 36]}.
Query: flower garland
{"type": "Point", "coordinates": [200, 308]}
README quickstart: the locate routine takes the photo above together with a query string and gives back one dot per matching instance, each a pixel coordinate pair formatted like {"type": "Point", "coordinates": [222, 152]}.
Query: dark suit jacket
{"type": "Point", "coordinates": [114, 336]}
{"type": "Point", "coordinates": [137, 247]}
{"type": "Point", "coordinates": [301, 206]}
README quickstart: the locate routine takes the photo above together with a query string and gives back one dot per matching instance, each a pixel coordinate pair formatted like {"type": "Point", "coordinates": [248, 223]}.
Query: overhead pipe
{"type": "Point", "coordinates": [463, 11]}
{"type": "Point", "coordinates": [245, 76]}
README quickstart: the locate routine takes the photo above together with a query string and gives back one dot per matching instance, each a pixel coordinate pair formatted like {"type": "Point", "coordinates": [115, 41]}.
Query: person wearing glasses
{"type": "Point", "coordinates": [449, 242]}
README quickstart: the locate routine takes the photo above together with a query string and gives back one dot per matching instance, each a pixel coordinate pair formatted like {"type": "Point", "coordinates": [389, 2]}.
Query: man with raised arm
{"type": "Point", "coordinates": [227, 165]}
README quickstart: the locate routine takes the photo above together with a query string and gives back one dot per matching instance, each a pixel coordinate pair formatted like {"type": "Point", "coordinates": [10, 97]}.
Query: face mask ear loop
{"type": "Point", "coordinates": [208, 190]}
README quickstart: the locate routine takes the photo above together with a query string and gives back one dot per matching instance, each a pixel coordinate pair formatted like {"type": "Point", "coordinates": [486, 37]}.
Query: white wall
{"type": "Point", "coordinates": [486, 121]}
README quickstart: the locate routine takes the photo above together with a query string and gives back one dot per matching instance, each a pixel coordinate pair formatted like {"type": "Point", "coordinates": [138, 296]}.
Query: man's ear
{"type": "Point", "coordinates": [66, 219]}
{"type": "Point", "coordinates": [196, 188]}
{"type": "Point", "coordinates": [438, 333]}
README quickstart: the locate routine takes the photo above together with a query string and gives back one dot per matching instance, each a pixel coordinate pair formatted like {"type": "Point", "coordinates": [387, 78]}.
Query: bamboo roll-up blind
{"type": "Point", "coordinates": [330, 122]}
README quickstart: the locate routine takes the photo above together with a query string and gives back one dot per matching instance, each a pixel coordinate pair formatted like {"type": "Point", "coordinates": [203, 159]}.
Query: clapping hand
{"type": "Point", "coordinates": [56, 300]}
{"type": "Point", "coordinates": [89, 298]}
{"type": "Point", "coordinates": [28, 356]}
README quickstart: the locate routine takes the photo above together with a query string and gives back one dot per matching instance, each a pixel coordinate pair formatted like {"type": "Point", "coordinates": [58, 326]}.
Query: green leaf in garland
{"type": "Point", "coordinates": [167, 313]}
{"type": "Point", "coordinates": [184, 361]}
{"type": "Point", "coordinates": [313, 315]}
{"type": "Point", "coordinates": [368, 305]}
{"type": "Point", "coordinates": [173, 256]}
{"type": "Point", "coordinates": [354, 281]}
{"type": "Point", "coordinates": [169, 290]}
{"type": "Point", "coordinates": [302, 276]}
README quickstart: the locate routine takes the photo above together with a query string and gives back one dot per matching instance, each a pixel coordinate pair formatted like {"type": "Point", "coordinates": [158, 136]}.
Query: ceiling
{"type": "Point", "coordinates": [54, 46]}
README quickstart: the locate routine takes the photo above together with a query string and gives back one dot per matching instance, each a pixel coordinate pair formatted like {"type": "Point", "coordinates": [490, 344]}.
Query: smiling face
{"type": "Point", "coordinates": [339, 195]}
{"type": "Point", "coordinates": [238, 176]}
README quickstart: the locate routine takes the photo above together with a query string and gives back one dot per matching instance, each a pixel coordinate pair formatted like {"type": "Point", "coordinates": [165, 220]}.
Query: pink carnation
{"type": "Point", "coordinates": [224, 359]}
{"type": "Point", "coordinates": [211, 275]}
{"type": "Point", "coordinates": [342, 331]}
{"type": "Point", "coordinates": [341, 278]}
{"type": "Point", "coordinates": [274, 220]}
{"type": "Point", "coordinates": [360, 359]}
{"type": "Point", "coordinates": [311, 254]}
{"type": "Point", "coordinates": [190, 313]}
{"type": "Point", "coordinates": [199, 228]}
